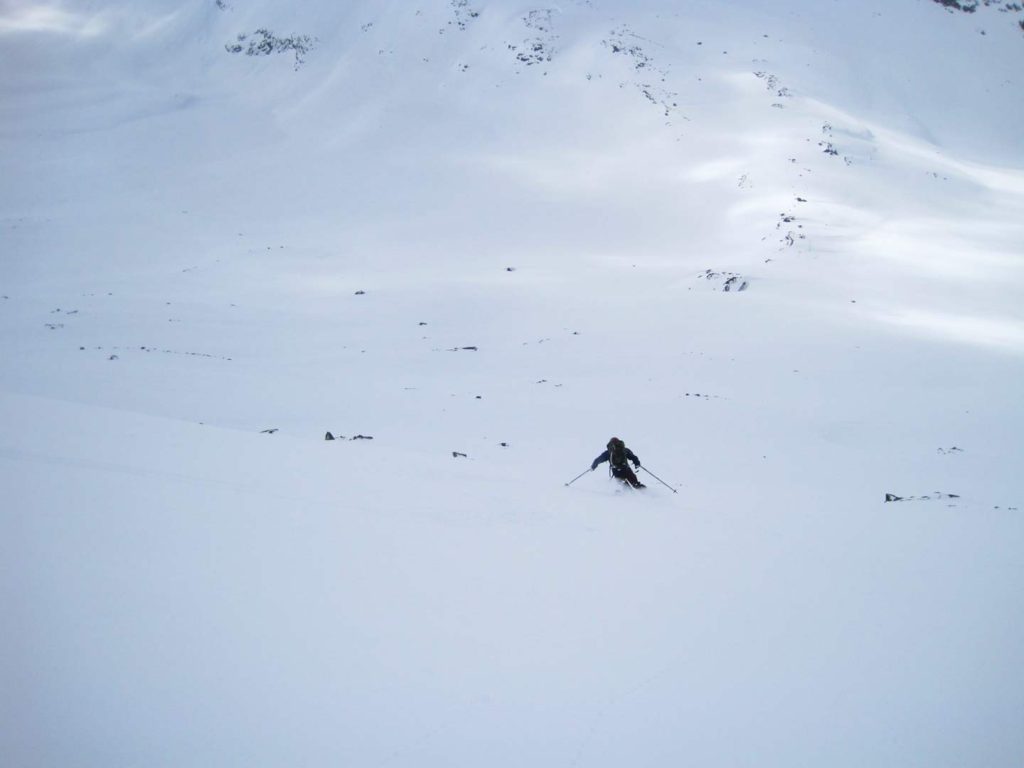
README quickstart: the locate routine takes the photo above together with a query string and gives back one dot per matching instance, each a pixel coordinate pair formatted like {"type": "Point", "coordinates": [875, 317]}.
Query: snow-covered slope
{"type": "Point", "coordinates": [775, 247]}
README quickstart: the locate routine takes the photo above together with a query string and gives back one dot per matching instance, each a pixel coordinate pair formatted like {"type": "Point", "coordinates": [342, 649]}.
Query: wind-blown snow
{"type": "Point", "coordinates": [489, 236]}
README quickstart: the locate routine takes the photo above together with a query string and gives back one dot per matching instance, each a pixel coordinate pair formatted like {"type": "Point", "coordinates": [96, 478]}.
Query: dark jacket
{"type": "Point", "coordinates": [630, 456]}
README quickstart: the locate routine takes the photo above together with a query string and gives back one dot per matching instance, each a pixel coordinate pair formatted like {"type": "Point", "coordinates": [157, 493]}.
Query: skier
{"type": "Point", "coordinates": [617, 456]}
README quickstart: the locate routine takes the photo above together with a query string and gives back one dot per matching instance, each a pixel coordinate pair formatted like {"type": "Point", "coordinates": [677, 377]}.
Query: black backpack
{"type": "Point", "coordinates": [617, 453]}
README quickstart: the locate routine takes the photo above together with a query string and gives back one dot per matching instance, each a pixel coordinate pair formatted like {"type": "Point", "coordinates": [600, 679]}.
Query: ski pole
{"type": "Point", "coordinates": [581, 474]}
{"type": "Point", "coordinates": [645, 469]}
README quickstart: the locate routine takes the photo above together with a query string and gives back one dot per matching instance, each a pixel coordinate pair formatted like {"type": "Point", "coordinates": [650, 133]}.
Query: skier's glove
{"type": "Point", "coordinates": [637, 465]}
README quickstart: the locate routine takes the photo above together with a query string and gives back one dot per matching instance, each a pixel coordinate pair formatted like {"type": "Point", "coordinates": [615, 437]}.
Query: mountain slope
{"type": "Point", "coordinates": [775, 249]}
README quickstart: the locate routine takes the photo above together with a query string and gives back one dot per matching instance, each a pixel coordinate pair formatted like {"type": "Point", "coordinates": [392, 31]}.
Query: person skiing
{"type": "Point", "coordinates": [617, 457]}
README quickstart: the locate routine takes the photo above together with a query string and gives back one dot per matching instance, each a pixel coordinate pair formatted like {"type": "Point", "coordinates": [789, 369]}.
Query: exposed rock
{"type": "Point", "coordinates": [936, 496]}
{"type": "Point", "coordinates": [730, 281]}
{"type": "Point", "coordinates": [266, 42]}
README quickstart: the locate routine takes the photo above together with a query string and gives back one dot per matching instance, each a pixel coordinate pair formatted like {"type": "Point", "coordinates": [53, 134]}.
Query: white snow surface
{"type": "Point", "coordinates": [491, 266]}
